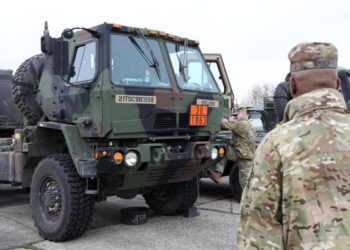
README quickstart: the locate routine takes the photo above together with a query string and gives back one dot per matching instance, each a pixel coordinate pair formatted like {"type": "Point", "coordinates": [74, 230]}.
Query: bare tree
{"type": "Point", "coordinates": [258, 92]}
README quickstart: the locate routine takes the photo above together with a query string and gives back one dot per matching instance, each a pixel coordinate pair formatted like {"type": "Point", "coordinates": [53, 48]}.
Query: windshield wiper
{"type": "Point", "coordinates": [153, 62]}
{"type": "Point", "coordinates": [139, 49]}
{"type": "Point", "coordinates": [183, 64]}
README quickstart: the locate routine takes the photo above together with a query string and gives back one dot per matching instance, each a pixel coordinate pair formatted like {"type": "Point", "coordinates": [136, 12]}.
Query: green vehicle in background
{"type": "Point", "coordinates": [109, 110]}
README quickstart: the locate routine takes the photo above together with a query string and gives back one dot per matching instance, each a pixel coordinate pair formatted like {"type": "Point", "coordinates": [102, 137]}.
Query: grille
{"type": "Point", "coordinates": [165, 120]}
{"type": "Point", "coordinates": [171, 173]}
{"type": "Point", "coordinates": [183, 120]}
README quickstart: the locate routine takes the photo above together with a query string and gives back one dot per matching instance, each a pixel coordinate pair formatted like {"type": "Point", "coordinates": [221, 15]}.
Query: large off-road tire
{"type": "Point", "coordinates": [173, 198]}
{"type": "Point", "coordinates": [60, 208]}
{"type": "Point", "coordinates": [235, 185]}
{"type": "Point", "coordinates": [281, 97]}
{"type": "Point", "coordinates": [25, 86]}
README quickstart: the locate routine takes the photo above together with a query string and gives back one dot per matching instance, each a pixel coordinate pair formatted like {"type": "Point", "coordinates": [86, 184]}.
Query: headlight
{"type": "Point", "coordinates": [214, 153]}
{"type": "Point", "coordinates": [131, 159]}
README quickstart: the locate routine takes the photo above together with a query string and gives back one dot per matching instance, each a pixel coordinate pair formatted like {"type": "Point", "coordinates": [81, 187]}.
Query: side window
{"type": "Point", "coordinates": [84, 64]}
{"type": "Point", "coordinates": [214, 68]}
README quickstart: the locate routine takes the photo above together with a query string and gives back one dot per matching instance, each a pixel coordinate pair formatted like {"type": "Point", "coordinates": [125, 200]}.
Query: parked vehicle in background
{"type": "Point", "coordinates": [262, 119]}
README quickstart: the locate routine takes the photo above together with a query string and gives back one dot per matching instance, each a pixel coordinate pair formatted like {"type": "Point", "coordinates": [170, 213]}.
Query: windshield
{"type": "Point", "coordinates": [255, 119]}
{"type": "Point", "coordinates": [257, 124]}
{"type": "Point", "coordinates": [136, 62]}
{"type": "Point", "coordinates": [190, 69]}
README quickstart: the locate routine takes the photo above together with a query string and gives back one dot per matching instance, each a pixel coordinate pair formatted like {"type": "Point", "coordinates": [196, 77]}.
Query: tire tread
{"type": "Point", "coordinates": [28, 74]}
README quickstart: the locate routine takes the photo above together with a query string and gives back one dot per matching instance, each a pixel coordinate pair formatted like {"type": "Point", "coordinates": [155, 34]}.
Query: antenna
{"type": "Point", "coordinates": [46, 29]}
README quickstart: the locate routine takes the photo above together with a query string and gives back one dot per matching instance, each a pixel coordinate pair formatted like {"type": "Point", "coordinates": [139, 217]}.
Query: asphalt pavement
{"type": "Point", "coordinates": [214, 228]}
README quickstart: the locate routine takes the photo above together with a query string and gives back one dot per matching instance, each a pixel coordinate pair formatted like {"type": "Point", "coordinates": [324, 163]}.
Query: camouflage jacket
{"type": "Point", "coordinates": [298, 193]}
{"type": "Point", "coordinates": [243, 135]}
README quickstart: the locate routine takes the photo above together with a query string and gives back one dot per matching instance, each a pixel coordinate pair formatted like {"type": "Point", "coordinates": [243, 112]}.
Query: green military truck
{"type": "Point", "coordinates": [109, 110]}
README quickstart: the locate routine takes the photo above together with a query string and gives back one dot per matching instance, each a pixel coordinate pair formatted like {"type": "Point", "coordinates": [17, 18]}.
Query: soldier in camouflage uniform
{"type": "Point", "coordinates": [298, 193]}
{"type": "Point", "coordinates": [243, 135]}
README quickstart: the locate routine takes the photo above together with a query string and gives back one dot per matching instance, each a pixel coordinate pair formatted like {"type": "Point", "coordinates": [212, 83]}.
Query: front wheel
{"type": "Point", "coordinates": [173, 198]}
{"type": "Point", "coordinates": [235, 184]}
{"type": "Point", "coordinates": [60, 208]}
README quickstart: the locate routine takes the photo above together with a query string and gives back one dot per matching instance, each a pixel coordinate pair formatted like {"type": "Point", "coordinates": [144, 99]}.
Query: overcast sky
{"type": "Point", "coordinates": [253, 36]}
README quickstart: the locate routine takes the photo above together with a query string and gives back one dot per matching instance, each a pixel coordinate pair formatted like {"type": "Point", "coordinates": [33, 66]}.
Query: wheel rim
{"type": "Point", "coordinates": [50, 199]}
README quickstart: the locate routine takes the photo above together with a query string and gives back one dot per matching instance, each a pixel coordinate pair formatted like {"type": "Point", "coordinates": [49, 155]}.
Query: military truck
{"type": "Point", "coordinates": [109, 110]}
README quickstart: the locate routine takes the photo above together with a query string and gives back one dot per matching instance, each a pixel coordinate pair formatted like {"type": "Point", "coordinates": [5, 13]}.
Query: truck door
{"type": "Point", "coordinates": [82, 104]}
{"type": "Point", "coordinates": [217, 67]}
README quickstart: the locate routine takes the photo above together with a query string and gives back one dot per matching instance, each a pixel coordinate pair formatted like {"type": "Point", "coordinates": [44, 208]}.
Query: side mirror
{"type": "Point", "coordinates": [68, 33]}
{"type": "Point", "coordinates": [60, 65]}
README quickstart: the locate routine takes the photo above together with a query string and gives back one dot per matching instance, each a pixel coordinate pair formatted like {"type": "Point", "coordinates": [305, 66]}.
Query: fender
{"type": "Point", "coordinates": [79, 150]}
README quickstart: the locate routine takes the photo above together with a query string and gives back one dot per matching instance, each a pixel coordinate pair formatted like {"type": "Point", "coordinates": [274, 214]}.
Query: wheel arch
{"type": "Point", "coordinates": [76, 145]}
{"type": "Point", "coordinates": [45, 142]}
{"type": "Point", "coordinates": [67, 140]}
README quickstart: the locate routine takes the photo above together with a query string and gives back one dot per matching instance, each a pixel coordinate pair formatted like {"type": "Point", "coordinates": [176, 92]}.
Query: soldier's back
{"type": "Point", "coordinates": [315, 153]}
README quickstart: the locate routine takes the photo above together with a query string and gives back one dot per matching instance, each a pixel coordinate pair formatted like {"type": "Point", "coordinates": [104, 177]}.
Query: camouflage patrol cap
{"type": "Point", "coordinates": [306, 56]}
{"type": "Point", "coordinates": [241, 108]}
{"type": "Point", "coordinates": [238, 109]}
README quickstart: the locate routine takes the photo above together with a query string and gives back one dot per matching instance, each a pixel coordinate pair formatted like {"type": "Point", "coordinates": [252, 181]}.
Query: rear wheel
{"type": "Point", "coordinates": [235, 185]}
{"type": "Point", "coordinates": [60, 208]}
{"type": "Point", "coordinates": [173, 198]}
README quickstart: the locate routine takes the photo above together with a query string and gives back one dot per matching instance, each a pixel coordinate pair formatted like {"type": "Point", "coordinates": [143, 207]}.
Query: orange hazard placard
{"type": "Point", "coordinates": [199, 115]}
{"type": "Point", "coordinates": [199, 110]}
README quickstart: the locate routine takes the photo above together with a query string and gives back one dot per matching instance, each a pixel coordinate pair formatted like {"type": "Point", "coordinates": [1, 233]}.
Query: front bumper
{"type": "Point", "coordinates": [157, 164]}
